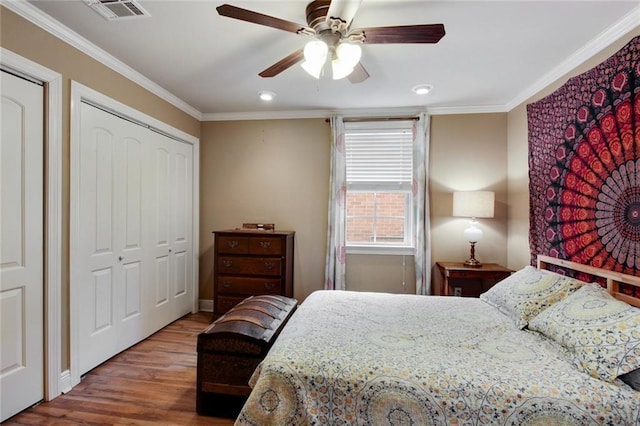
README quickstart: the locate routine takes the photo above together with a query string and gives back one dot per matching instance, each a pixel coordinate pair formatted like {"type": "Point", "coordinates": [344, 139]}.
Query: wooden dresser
{"type": "Point", "coordinates": [249, 263]}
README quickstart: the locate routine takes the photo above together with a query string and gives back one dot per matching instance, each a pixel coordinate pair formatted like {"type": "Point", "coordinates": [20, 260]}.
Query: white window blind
{"type": "Point", "coordinates": [379, 154]}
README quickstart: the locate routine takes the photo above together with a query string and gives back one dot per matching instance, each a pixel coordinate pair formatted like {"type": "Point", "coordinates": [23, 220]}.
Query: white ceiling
{"type": "Point", "coordinates": [493, 56]}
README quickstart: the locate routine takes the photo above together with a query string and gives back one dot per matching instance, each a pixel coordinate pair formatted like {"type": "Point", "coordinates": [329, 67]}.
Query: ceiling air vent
{"type": "Point", "coordinates": [117, 9]}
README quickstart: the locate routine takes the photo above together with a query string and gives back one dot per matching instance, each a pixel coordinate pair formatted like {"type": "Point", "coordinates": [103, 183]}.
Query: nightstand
{"type": "Point", "coordinates": [470, 281]}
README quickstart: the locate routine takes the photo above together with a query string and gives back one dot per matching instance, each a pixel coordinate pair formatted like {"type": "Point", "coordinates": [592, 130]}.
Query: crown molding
{"type": "Point", "coordinates": [614, 33]}
{"type": "Point", "coordinates": [47, 23]}
{"type": "Point", "coordinates": [371, 112]}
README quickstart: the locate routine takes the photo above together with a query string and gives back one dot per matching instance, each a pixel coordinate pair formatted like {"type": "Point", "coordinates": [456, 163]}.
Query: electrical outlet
{"type": "Point", "coordinates": [457, 291]}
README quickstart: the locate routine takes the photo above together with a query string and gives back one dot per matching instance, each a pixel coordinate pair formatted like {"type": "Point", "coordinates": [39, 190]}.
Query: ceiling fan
{"type": "Point", "coordinates": [329, 25]}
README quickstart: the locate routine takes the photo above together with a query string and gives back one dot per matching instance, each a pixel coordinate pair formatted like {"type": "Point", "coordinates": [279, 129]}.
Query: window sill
{"type": "Point", "coordinates": [377, 250]}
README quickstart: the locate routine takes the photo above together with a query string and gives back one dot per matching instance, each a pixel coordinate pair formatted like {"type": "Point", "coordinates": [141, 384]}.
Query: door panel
{"type": "Point", "coordinates": [181, 229]}
{"type": "Point", "coordinates": [21, 247]}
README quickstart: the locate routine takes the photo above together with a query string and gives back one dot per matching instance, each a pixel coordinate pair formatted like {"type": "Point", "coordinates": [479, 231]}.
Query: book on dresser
{"type": "Point", "coordinates": [250, 262]}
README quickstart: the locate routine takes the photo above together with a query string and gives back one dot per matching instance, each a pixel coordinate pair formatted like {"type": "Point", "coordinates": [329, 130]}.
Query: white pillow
{"type": "Point", "coordinates": [527, 292]}
{"type": "Point", "coordinates": [601, 333]}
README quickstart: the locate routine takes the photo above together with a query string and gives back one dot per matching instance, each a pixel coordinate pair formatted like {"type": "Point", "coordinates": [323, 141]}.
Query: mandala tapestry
{"type": "Point", "coordinates": [584, 167]}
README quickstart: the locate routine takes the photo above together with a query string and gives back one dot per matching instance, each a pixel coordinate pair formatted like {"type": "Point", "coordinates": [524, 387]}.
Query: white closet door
{"type": "Point", "coordinates": [21, 249]}
{"type": "Point", "coordinates": [171, 285]}
{"type": "Point", "coordinates": [181, 228]}
{"type": "Point", "coordinates": [132, 263]}
{"type": "Point", "coordinates": [109, 253]}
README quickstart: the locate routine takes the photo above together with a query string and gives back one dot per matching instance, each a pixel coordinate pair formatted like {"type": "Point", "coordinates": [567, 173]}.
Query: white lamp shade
{"type": "Point", "coordinates": [349, 54]}
{"type": "Point", "coordinates": [347, 57]}
{"type": "Point", "coordinates": [315, 55]}
{"type": "Point", "coordinates": [339, 69]}
{"type": "Point", "coordinates": [473, 204]}
{"type": "Point", "coordinates": [314, 69]}
{"type": "Point", "coordinates": [316, 51]}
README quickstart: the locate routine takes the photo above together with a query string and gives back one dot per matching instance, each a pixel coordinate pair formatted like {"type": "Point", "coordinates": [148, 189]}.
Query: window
{"type": "Point", "coordinates": [379, 163]}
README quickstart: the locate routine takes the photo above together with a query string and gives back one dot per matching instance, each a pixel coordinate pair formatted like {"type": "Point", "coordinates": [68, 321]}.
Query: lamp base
{"type": "Point", "coordinates": [472, 261]}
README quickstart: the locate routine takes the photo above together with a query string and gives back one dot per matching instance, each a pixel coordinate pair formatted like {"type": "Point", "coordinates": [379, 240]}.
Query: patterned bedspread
{"type": "Point", "coordinates": [382, 359]}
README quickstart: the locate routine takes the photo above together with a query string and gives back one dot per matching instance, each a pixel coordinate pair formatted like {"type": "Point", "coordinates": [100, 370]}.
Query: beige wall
{"type": "Point", "coordinates": [518, 166]}
{"type": "Point", "coordinates": [278, 171]}
{"type": "Point", "coordinates": [273, 171]}
{"type": "Point", "coordinates": [37, 45]}
{"type": "Point", "coordinates": [468, 152]}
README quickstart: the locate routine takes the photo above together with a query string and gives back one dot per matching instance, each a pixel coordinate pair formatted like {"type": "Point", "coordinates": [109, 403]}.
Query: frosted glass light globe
{"type": "Point", "coordinates": [473, 234]}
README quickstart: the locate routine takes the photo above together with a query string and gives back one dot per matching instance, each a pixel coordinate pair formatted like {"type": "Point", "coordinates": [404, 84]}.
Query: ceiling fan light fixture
{"type": "Point", "coordinates": [340, 69]}
{"type": "Point", "coordinates": [315, 56]}
{"type": "Point", "coordinates": [349, 54]}
{"type": "Point", "coordinates": [314, 69]}
{"type": "Point", "coordinates": [347, 57]}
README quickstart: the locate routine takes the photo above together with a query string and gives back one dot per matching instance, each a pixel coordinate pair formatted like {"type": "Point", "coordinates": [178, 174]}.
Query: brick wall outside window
{"type": "Point", "coordinates": [389, 221]}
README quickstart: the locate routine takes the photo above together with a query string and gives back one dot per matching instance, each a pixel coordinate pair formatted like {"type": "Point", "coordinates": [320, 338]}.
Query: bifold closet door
{"type": "Point", "coordinates": [170, 218]}
{"type": "Point", "coordinates": [133, 258]}
{"type": "Point", "coordinates": [109, 252]}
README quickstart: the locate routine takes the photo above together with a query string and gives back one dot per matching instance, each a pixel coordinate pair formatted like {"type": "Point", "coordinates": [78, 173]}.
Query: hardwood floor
{"type": "Point", "coordinates": [151, 383]}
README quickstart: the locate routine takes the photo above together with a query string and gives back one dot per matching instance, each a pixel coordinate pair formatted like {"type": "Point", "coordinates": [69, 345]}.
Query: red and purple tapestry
{"type": "Point", "coordinates": [584, 167]}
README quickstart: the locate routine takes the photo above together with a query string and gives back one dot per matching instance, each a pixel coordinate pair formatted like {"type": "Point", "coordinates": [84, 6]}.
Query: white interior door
{"type": "Point", "coordinates": [182, 227]}
{"type": "Point", "coordinates": [21, 249]}
{"type": "Point", "coordinates": [132, 256]}
{"type": "Point", "coordinates": [109, 252]}
{"type": "Point", "coordinates": [171, 176]}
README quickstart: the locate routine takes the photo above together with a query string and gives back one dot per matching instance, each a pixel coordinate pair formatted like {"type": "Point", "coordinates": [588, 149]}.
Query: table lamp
{"type": "Point", "coordinates": [473, 204]}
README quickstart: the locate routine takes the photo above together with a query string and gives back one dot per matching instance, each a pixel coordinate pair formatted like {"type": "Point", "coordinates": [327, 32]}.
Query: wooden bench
{"type": "Point", "coordinates": [231, 348]}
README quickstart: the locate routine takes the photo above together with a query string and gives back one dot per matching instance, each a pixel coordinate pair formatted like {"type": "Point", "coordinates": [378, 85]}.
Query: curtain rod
{"type": "Point", "coordinates": [363, 119]}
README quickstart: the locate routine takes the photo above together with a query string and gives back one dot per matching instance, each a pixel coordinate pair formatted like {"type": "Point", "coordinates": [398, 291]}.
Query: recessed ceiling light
{"type": "Point", "coordinates": [422, 89]}
{"type": "Point", "coordinates": [266, 96]}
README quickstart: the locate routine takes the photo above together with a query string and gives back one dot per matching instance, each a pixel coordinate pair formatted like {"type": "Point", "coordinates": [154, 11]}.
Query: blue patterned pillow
{"type": "Point", "coordinates": [601, 333]}
{"type": "Point", "coordinates": [529, 291]}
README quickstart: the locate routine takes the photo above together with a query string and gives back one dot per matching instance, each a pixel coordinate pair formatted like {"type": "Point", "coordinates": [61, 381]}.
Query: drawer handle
{"type": "Point", "coordinates": [227, 263]}
{"type": "Point", "coordinates": [265, 244]}
{"type": "Point", "coordinates": [269, 286]}
{"type": "Point", "coordinates": [226, 284]}
{"type": "Point", "coordinates": [233, 244]}
{"type": "Point", "coordinates": [269, 265]}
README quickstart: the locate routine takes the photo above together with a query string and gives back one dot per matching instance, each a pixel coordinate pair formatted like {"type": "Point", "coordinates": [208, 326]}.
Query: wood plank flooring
{"type": "Point", "coordinates": [151, 383]}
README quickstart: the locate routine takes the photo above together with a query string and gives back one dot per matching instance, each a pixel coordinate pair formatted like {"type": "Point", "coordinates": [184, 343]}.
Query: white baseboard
{"type": "Point", "coordinates": [206, 305]}
{"type": "Point", "coordinates": [65, 381]}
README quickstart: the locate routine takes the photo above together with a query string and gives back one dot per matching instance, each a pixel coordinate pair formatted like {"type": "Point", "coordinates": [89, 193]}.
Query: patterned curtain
{"type": "Point", "coordinates": [422, 243]}
{"type": "Point", "coordinates": [335, 268]}
{"type": "Point", "coordinates": [584, 167]}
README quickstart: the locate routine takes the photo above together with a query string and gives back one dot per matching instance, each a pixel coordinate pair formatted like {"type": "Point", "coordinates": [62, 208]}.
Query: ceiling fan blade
{"type": "Point", "coordinates": [343, 9]}
{"type": "Point", "coordinates": [258, 18]}
{"type": "Point", "coordinates": [431, 33]}
{"type": "Point", "coordinates": [283, 64]}
{"type": "Point", "coordinates": [359, 74]}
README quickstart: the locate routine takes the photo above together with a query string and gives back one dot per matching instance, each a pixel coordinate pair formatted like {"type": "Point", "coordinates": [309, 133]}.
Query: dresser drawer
{"type": "Point", "coordinates": [232, 244]}
{"type": "Point", "coordinates": [249, 286]}
{"type": "Point", "coordinates": [266, 245]}
{"type": "Point", "coordinates": [249, 265]}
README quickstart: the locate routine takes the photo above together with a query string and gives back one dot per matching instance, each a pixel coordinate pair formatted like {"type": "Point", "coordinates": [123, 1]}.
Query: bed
{"type": "Point", "coordinates": [522, 354]}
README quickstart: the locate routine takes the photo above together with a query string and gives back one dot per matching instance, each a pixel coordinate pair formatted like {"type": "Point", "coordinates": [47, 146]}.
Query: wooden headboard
{"type": "Point", "coordinates": [613, 279]}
